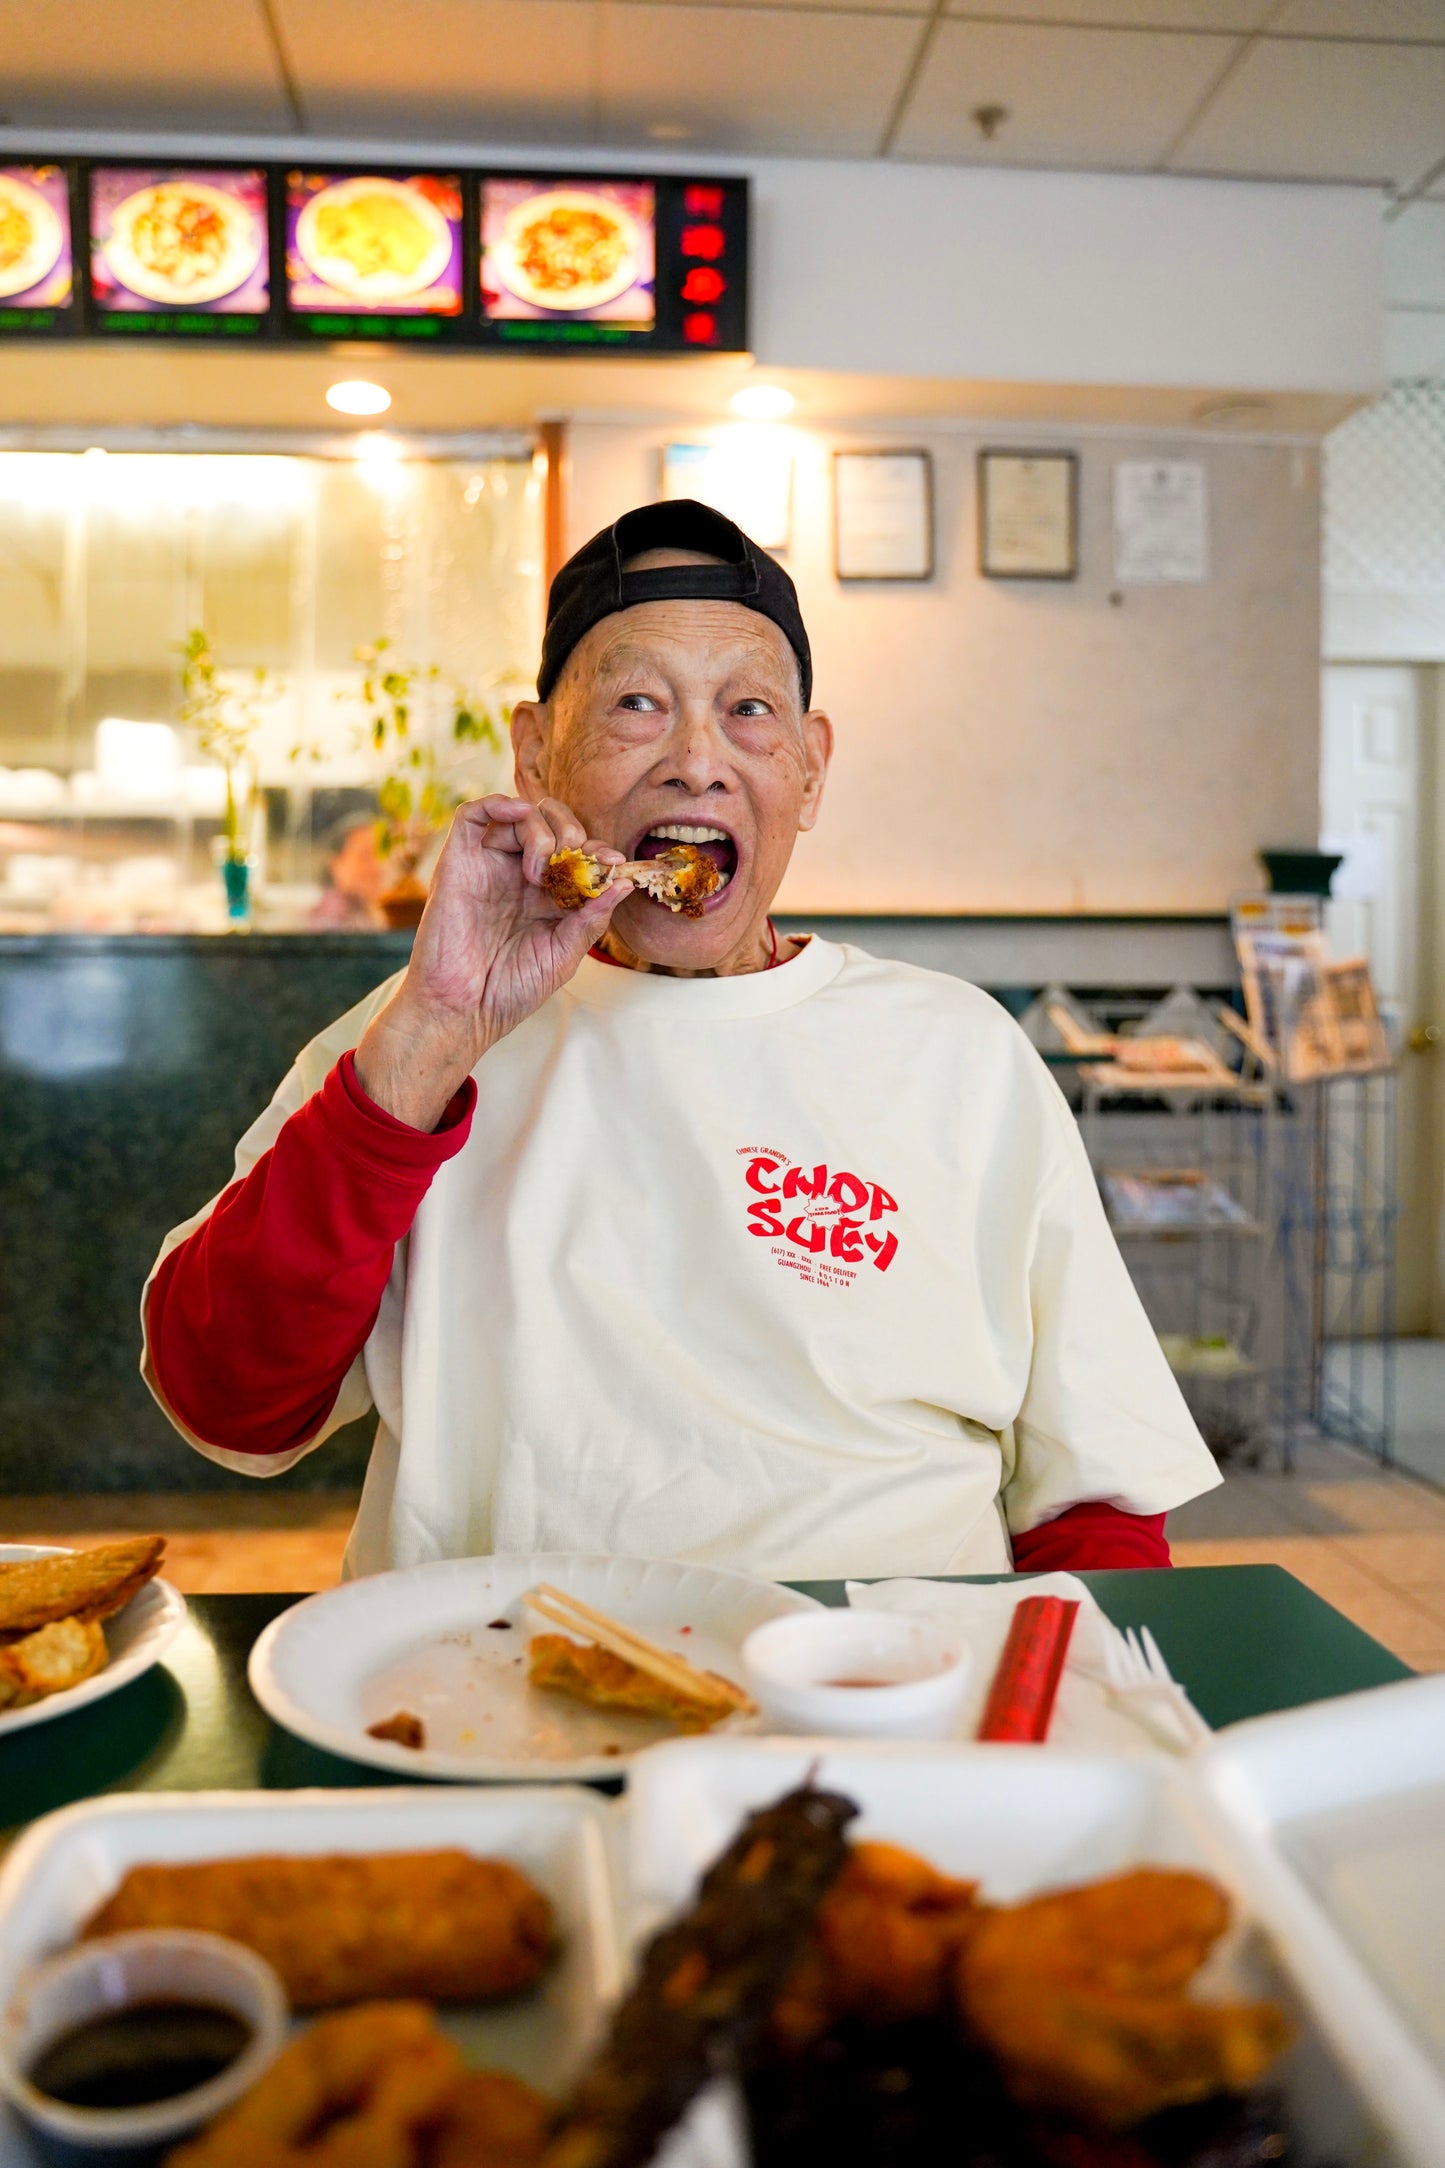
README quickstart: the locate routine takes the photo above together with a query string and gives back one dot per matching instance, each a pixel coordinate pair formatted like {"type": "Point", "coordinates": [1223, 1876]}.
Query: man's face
{"type": "Point", "coordinates": [683, 722]}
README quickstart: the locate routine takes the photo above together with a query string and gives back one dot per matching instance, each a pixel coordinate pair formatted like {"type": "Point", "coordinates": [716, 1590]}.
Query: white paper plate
{"type": "Point", "coordinates": [509, 251]}
{"type": "Point", "coordinates": [243, 239]}
{"type": "Point", "coordinates": [138, 1636]}
{"type": "Point", "coordinates": [39, 257]}
{"type": "Point", "coordinates": [422, 1640]}
{"type": "Point", "coordinates": [346, 277]}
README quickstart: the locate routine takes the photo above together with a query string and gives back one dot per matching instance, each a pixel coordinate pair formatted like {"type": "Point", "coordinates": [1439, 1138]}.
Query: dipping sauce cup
{"type": "Point", "coordinates": [155, 1970]}
{"type": "Point", "coordinates": [858, 1674]}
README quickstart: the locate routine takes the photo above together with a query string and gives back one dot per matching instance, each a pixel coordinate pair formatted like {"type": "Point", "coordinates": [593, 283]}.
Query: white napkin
{"type": "Point", "coordinates": [1085, 1716]}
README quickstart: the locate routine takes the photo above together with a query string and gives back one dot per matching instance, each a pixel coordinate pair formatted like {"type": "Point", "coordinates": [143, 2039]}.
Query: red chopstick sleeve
{"type": "Point", "coordinates": [255, 1319]}
{"type": "Point", "coordinates": [1092, 1536]}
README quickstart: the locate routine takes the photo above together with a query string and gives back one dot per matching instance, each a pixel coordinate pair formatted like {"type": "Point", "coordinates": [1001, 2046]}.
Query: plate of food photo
{"type": "Point", "coordinates": [548, 1664]}
{"type": "Point", "coordinates": [374, 239]}
{"type": "Point", "coordinates": [568, 249]}
{"type": "Point", "coordinates": [183, 243]}
{"type": "Point", "coordinates": [76, 1625]}
{"type": "Point", "coordinates": [30, 236]}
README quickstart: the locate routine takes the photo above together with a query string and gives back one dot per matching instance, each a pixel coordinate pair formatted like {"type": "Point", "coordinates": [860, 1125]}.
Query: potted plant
{"type": "Point", "coordinates": [409, 708]}
{"type": "Point", "coordinates": [225, 717]}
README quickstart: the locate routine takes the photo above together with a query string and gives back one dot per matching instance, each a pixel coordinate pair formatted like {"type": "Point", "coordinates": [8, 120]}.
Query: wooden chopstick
{"type": "Point", "coordinates": [609, 1633]}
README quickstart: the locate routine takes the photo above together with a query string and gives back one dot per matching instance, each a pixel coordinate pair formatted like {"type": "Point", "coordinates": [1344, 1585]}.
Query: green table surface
{"type": "Point", "coordinates": [1244, 1640]}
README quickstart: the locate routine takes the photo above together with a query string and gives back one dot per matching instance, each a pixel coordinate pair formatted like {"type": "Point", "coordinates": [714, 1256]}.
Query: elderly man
{"type": "Point", "coordinates": [663, 1235]}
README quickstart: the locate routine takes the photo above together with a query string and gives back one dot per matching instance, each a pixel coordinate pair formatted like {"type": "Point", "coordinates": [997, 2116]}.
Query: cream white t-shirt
{"type": "Point", "coordinates": [802, 1272]}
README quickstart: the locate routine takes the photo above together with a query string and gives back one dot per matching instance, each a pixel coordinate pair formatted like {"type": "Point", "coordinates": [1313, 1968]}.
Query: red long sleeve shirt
{"type": "Point", "coordinates": [256, 1317]}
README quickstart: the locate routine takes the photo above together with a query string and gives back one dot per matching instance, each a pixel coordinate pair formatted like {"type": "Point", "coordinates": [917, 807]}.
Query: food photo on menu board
{"type": "Point", "coordinates": [35, 259]}
{"type": "Point", "coordinates": [379, 243]}
{"type": "Point", "coordinates": [169, 242]}
{"type": "Point", "coordinates": [570, 252]}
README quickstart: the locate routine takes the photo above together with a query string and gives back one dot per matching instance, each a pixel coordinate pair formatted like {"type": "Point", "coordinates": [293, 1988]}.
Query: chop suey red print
{"type": "Point", "coordinates": [823, 1223]}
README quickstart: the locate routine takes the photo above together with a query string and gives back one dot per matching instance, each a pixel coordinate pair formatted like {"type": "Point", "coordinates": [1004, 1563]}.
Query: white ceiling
{"type": "Point", "coordinates": [1320, 90]}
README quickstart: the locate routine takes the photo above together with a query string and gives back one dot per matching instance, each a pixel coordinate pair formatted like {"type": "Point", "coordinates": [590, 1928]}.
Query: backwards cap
{"type": "Point", "coordinates": [592, 584]}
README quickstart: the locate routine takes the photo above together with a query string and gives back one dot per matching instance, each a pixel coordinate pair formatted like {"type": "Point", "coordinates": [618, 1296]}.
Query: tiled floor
{"type": "Point", "coordinates": [1370, 1541]}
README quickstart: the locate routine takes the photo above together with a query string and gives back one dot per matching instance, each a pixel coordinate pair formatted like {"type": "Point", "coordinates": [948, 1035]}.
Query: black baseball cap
{"type": "Point", "coordinates": [592, 584]}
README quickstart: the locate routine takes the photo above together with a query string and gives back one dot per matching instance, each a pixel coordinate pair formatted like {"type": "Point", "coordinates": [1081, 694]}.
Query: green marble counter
{"type": "Point", "coordinates": [129, 1065]}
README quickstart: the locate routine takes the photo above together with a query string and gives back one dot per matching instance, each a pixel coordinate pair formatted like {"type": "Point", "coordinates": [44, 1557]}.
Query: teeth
{"type": "Point", "coordinates": [676, 832]}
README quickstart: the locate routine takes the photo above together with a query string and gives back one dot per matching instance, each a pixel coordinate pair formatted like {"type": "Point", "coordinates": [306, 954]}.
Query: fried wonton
{"type": "Point", "coordinates": [74, 1584]}
{"type": "Point", "coordinates": [51, 1659]}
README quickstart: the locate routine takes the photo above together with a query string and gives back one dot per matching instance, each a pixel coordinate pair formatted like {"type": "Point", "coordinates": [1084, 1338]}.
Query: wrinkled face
{"type": "Point", "coordinates": [682, 722]}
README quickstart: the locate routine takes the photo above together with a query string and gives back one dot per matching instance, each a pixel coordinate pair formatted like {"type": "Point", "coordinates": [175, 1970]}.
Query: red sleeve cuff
{"type": "Point", "coordinates": [1092, 1537]}
{"type": "Point", "coordinates": [368, 1131]}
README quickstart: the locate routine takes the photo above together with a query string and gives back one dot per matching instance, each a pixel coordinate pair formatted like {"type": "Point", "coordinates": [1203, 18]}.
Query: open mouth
{"type": "Point", "coordinates": [713, 843]}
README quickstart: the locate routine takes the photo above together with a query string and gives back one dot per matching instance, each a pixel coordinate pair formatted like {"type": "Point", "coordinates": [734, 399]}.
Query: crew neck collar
{"type": "Point", "coordinates": [749, 993]}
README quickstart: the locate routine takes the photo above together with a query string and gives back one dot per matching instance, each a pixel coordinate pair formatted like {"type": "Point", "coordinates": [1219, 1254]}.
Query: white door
{"type": "Point", "coordinates": [1371, 775]}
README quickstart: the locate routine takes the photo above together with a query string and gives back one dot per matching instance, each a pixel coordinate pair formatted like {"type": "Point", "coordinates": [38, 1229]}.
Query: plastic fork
{"type": "Point", "coordinates": [1142, 1684]}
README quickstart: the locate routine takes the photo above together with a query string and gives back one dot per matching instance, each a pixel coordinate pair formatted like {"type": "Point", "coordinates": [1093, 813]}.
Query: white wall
{"type": "Point", "coordinates": [992, 274]}
{"type": "Point", "coordinates": [1016, 746]}
{"type": "Point", "coordinates": [1068, 278]}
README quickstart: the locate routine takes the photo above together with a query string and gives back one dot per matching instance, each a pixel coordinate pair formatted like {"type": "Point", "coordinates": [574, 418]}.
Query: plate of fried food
{"type": "Point", "coordinates": [31, 236]}
{"type": "Point", "coordinates": [568, 249]}
{"type": "Point", "coordinates": [374, 239]}
{"type": "Point", "coordinates": [541, 1664]}
{"type": "Point", "coordinates": [183, 243]}
{"type": "Point", "coordinates": [448, 1957]}
{"type": "Point", "coordinates": [75, 1625]}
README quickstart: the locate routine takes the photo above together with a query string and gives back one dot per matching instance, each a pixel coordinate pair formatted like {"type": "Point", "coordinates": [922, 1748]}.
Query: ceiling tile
{"type": "Point", "coordinates": [116, 63]}
{"type": "Point", "coordinates": [1382, 19]}
{"type": "Point", "coordinates": [751, 79]}
{"type": "Point", "coordinates": [821, 7]}
{"type": "Point", "coordinates": [1300, 110]}
{"type": "Point", "coordinates": [508, 70]}
{"type": "Point", "coordinates": [1114, 98]}
{"type": "Point", "coordinates": [1125, 14]}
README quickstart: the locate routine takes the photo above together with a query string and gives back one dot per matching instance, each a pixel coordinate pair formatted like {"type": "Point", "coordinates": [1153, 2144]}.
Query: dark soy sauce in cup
{"type": "Point", "coordinates": [134, 2057]}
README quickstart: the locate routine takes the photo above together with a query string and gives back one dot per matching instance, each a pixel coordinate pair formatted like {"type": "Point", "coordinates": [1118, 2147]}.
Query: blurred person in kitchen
{"type": "Point", "coordinates": [356, 875]}
{"type": "Point", "coordinates": [670, 1236]}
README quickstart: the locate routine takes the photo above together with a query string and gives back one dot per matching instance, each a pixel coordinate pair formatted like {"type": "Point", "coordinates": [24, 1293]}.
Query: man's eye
{"type": "Point", "coordinates": [752, 707]}
{"type": "Point", "coordinates": [640, 703]}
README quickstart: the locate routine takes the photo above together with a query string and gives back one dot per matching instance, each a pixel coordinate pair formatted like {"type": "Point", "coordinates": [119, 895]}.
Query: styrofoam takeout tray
{"type": "Point", "coordinates": [69, 1863]}
{"type": "Point", "coordinates": [1016, 1818]}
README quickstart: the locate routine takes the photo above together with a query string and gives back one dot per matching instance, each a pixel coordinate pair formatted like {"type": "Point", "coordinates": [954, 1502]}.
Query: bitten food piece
{"type": "Point", "coordinates": [349, 1927]}
{"type": "Point", "coordinates": [363, 2089]}
{"type": "Point", "coordinates": [1079, 1997]}
{"type": "Point", "coordinates": [51, 1659]}
{"type": "Point", "coordinates": [492, 2121]}
{"type": "Point", "coordinates": [588, 1673]}
{"type": "Point", "coordinates": [74, 1584]}
{"type": "Point", "coordinates": [683, 878]}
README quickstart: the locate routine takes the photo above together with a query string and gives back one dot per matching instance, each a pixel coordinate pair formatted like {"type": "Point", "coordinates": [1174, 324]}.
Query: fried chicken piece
{"type": "Point", "coordinates": [588, 1673]}
{"type": "Point", "coordinates": [1079, 1996]}
{"type": "Point", "coordinates": [883, 1946]}
{"type": "Point", "coordinates": [683, 878]}
{"type": "Point", "coordinates": [51, 1659]}
{"type": "Point", "coordinates": [492, 2121]}
{"type": "Point", "coordinates": [350, 1927]}
{"type": "Point", "coordinates": [403, 1729]}
{"type": "Point", "coordinates": [75, 1584]}
{"type": "Point", "coordinates": [363, 2089]}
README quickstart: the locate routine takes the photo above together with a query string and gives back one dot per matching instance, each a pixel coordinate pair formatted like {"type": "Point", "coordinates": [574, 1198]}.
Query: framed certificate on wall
{"type": "Point", "coordinates": [1028, 515]}
{"type": "Point", "coordinates": [883, 515]}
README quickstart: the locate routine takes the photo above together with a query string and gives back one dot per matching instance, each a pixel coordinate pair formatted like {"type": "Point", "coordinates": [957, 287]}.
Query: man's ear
{"type": "Point", "coordinates": [817, 752]}
{"type": "Point", "coordinates": [531, 741]}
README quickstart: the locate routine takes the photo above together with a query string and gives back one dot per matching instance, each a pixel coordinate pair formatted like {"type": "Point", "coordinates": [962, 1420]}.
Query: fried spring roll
{"type": "Point", "coordinates": [351, 1927]}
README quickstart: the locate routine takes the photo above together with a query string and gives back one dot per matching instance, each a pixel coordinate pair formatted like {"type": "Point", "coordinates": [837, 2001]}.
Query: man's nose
{"type": "Point", "coordinates": [697, 757]}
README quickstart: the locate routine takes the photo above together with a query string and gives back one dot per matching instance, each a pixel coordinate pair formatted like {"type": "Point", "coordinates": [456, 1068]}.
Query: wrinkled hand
{"type": "Point", "coordinates": [490, 949]}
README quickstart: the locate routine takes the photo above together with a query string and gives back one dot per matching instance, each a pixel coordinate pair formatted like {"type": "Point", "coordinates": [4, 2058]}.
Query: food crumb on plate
{"type": "Point", "coordinates": [499, 1625]}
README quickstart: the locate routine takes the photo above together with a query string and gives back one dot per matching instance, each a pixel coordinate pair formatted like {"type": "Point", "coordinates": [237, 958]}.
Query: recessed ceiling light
{"type": "Point", "coordinates": [1234, 413]}
{"type": "Point", "coordinates": [669, 131]}
{"type": "Point", "coordinates": [355, 396]}
{"type": "Point", "coordinates": [762, 402]}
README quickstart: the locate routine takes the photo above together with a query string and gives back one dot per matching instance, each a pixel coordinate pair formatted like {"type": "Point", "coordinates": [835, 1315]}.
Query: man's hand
{"type": "Point", "coordinates": [491, 948]}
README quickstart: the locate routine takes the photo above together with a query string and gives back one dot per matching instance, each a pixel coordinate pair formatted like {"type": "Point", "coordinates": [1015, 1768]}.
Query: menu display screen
{"type": "Point", "coordinates": [36, 271]}
{"type": "Point", "coordinates": [564, 259]}
{"type": "Point", "coordinates": [180, 249]}
{"type": "Point", "coordinates": [373, 245]}
{"type": "Point", "coordinates": [553, 262]}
